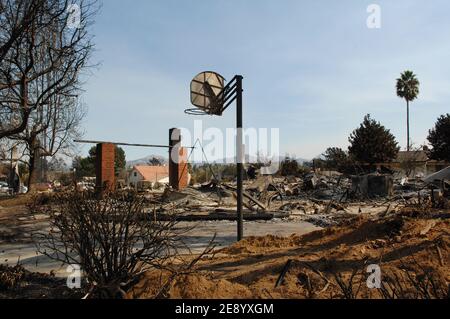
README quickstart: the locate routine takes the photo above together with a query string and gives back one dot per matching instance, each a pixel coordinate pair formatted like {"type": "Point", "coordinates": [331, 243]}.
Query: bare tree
{"type": "Point", "coordinates": [40, 80]}
{"type": "Point", "coordinates": [16, 19]}
{"type": "Point", "coordinates": [50, 131]}
{"type": "Point", "coordinates": [46, 60]}
{"type": "Point", "coordinates": [5, 149]}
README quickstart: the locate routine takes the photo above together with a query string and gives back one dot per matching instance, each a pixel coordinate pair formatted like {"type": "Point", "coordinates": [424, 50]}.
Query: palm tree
{"type": "Point", "coordinates": [408, 89]}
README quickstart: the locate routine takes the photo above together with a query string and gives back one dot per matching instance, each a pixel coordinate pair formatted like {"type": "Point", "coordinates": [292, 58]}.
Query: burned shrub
{"type": "Point", "coordinates": [112, 238]}
{"type": "Point", "coordinates": [10, 276]}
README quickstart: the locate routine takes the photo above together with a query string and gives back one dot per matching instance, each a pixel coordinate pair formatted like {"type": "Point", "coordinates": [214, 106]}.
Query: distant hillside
{"type": "Point", "coordinates": [145, 160]}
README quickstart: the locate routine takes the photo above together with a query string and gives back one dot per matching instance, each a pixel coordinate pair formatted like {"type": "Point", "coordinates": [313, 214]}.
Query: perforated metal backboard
{"type": "Point", "coordinates": [204, 89]}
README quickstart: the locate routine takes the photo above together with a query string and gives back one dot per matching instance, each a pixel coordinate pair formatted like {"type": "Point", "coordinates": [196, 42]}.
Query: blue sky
{"type": "Point", "coordinates": [311, 68]}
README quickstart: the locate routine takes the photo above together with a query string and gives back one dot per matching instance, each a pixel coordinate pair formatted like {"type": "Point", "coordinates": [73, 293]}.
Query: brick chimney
{"type": "Point", "coordinates": [178, 168]}
{"type": "Point", "coordinates": [105, 173]}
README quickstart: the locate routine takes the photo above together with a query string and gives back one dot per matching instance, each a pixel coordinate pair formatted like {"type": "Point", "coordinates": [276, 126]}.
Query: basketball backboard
{"type": "Point", "coordinates": [205, 87]}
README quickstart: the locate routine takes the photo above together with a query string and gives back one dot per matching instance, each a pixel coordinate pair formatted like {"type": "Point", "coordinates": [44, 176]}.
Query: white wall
{"type": "Point", "coordinates": [134, 177]}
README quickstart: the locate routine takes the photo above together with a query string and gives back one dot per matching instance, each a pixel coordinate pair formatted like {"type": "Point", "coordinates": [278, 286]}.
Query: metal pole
{"type": "Point", "coordinates": [407, 125]}
{"type": "Point", "coordinates": [239, 158]}
{"type": "Point", "coordinates": [126, 144]}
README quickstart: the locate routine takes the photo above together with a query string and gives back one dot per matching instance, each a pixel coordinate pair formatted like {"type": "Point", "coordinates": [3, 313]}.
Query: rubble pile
{"type": "Point", "coordinates": [322, 198]}
{"type": "Point", "coordinates": [17, 282]}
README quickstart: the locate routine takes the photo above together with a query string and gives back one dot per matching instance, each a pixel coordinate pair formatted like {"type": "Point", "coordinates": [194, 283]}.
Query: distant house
{"type": "Point", "coordinates": [149, 175]}
{"type": "Point", "coordinates": [415, 164]}
{"type": "Point", "coordinates": [419, 157]}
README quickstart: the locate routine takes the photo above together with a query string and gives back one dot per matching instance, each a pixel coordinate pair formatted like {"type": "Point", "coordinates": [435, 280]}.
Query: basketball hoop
{"type": "Point", "coordinates": [205, 89]}
{"type": "Point", "coordinates": [196, 111]}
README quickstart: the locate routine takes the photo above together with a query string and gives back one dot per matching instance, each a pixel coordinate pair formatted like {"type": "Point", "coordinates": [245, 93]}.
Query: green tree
{"type": "Point", "coordinates": [439, 138]}
{"type": "Point", "coordinates": [372, 143]}
{"type": "Point", "coordinates": [86, 166]}
{"type": "Point", "coordinates": [155, 161]}
{"type": "Point", "coordinates": [119, 159]}
{"type": "Point", "coordinates": [335, 156]}
{"type": "Point", "coordinates": [408, 89]}
{"type": "Point", "coordinates": [289, 167]}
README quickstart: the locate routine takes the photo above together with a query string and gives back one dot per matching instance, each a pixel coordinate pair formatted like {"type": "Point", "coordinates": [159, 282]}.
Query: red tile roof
{"type": "Point", "coordinates": [153, 173]}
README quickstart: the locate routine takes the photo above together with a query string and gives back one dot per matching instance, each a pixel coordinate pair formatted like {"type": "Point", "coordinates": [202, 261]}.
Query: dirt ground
{"type": "Point", "coordinates": [412, 249]}
{"type": "Point", "coordinates": [410, 246]}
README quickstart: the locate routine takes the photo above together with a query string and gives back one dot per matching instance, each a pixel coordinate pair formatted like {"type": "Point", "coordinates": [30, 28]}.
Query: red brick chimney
{"type": "Point", "coordinates": [105, 173]}
{"type": "Point", "coordinates": [178, 168]}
